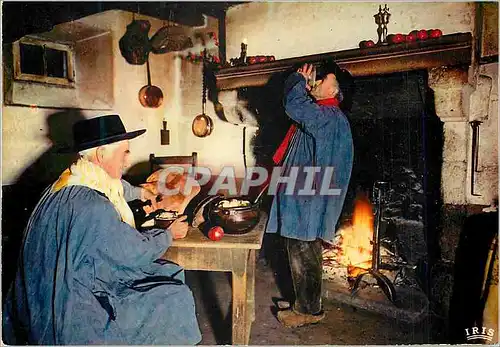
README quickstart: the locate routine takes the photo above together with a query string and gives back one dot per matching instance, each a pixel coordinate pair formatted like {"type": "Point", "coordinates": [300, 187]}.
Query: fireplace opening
{"type": "Point", "coordinates": [398, 139]}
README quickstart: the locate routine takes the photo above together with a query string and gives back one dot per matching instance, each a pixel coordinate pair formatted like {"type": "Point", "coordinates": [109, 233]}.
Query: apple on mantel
{"type": "Point", "coordinates": [415, 35]}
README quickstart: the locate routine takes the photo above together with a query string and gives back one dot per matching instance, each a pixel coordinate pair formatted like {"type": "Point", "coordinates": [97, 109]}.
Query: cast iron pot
{"type": "Point", "coordinates": [235, 220]}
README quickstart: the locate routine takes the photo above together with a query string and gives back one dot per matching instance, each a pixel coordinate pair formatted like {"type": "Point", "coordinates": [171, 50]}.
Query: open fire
{"type": "Point", "coordinates": [351, 253]}
{"type": "Point", "coordinates": [353, 246]}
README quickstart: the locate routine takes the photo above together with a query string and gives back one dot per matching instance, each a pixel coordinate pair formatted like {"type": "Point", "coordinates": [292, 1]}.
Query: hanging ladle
{"type": "Point", "coordinates": [149, 95]}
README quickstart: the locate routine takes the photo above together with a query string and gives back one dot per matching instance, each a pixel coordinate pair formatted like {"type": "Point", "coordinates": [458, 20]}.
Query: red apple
{"type": "Point", "coordinates": [411, 37]}
{"type": "Point", "coordinates": [366, 44]}
{"type": "Point", "coordinates": [422, 35]}
{"type": "Point", "coordinates": [369, 43]}
{"type": "Point", "coordinates": [394, 38]}
{"type": "Point", "coordinates": [272, 58]}
{"type": "Point", "coordinates": [397, 38]}
{"type": "Point", "coordinates": [261, 59]}
{"type": "Point", "coordinates": [215, 233]}
{"type": "Point", "coordinates": [251, 60]}
{"type": "Point", "coordinates": [435, 33]}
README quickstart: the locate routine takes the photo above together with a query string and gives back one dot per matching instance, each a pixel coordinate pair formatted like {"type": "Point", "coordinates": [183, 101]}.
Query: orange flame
{"type": "Point", "coordinates": [356, 240]}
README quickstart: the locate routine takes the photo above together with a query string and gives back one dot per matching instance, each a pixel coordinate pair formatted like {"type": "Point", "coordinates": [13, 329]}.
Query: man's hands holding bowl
{"type": "Point", "coordinates": [179, 228]}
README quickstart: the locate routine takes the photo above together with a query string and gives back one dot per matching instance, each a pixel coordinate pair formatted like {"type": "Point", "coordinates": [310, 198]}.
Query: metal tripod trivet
{"type": "Point", "coordinates": [379, 188]}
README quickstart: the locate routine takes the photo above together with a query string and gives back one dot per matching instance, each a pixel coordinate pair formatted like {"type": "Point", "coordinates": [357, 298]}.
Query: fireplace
{"type": "Point", "coordinates": [410, 125]}
{"type": "Point", "coordinates": [398, 143]}
{"type": "Point", "coordinates": [398, 139]}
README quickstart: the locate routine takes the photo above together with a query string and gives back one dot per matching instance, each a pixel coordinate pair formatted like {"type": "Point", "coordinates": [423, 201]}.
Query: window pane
{"type": "Point", "coordinates": [31, 59]}
{"type": "Point", "coordinates": [56, 63]}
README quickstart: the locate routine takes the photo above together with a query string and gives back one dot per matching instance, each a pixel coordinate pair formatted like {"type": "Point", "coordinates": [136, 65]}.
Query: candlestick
{"type": "Point", "coordinates": [243, 53]}
{"type": "Point", "coordinates": [382, 19]}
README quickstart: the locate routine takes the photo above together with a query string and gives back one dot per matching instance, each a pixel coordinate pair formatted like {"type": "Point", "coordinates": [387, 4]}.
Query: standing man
{"type": "Point", "coordinates": [85, 274]}
{"type": "Point", "coordinates": [322, 139]}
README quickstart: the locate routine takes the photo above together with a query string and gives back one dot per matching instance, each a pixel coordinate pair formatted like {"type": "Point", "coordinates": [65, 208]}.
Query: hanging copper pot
{"type": "Point", "coordinates": [134, 44]}
{"type": "Point", "coordinates": [149, 95]}
{"type": "Point", "coordinates": [202, 123]}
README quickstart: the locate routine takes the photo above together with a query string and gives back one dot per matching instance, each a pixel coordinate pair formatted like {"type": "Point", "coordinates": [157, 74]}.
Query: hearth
{"type": "Point", "coordinates": [398, 139]}
{"type": "Point", "coordinates": [398, 153]}
{"type": "Point", "coordinates": [364, 265]}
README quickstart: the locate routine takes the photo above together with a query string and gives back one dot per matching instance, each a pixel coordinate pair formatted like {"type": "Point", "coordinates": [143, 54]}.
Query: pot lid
{"type": "Point", "coordinates": [170, 39]}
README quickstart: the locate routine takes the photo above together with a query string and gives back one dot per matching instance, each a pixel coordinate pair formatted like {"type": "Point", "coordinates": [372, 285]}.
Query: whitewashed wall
{"type": "Point", "coordinates": [288, 29]}
{"type": "Point", "coordinates": [291, 29]}
{"type": "Point", "coordinates": [24, 128]}
{"type": "Point", "coordinates": [282, 29]}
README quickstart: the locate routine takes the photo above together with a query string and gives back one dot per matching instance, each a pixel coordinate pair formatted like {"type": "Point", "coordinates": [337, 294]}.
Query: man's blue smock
{"type": "Point", "coordinates": [86, 277]}
{"type": "Point", "coordinates": [323, 140]}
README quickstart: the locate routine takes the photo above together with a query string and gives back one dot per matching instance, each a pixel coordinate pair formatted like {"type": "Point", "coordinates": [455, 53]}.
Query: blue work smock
{"type": "Point", "coordinates": [323, 139]}
{"type": "Point", "coordinates": [86, 277]}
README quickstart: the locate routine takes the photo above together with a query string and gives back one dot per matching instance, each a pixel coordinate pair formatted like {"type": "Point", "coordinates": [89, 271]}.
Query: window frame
{"type": "Point", "coordinates": [20, 76]}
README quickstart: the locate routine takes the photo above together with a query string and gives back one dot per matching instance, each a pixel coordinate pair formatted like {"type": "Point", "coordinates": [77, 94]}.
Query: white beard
{"type": "Point", "coordinates": [318, 95]}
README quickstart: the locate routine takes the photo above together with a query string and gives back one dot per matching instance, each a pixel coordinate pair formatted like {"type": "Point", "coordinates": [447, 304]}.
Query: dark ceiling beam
{"type": "Point", "coordinates": [23, 18]}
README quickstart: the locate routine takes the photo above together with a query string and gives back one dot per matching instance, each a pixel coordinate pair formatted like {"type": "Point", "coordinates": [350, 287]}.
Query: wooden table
{"type": "Point", "coordinates": [234, 253]}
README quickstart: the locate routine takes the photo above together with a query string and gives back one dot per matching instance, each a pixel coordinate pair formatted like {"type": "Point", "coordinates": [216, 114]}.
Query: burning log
{"type": "Point", "coordinates": [355, 271]}
{"type": "Point", "coordinates": [355, 241]}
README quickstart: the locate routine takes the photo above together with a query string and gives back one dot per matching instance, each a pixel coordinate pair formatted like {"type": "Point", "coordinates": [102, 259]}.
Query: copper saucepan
{"type": "Point", "coordinates": [149, 95]}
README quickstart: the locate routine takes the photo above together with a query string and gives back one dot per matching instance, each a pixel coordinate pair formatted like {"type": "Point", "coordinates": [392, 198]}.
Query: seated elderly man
{"type": "Point", "coordinates": [86, 275]}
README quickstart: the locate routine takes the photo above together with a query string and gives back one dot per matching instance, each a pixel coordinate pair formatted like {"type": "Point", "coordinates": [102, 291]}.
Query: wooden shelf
{"type": "Point", "coordinates": [448, 50]}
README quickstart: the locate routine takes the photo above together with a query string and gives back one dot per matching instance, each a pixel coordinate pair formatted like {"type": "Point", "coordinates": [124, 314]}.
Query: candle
{"type": "Point", "coordinates": [243, 53]}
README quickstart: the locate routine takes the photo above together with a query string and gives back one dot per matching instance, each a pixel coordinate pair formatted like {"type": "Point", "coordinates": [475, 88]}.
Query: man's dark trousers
{"type": "Point", "coordinates": [306, 265]}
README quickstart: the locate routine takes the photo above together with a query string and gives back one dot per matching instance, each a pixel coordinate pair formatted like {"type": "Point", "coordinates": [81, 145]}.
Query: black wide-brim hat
{"type": "Point", "coordinates": [329, 66]}
{"type": "Point", "coordinates": [344, 78]}
{"type": "Point", "coordinates": [99, 131]}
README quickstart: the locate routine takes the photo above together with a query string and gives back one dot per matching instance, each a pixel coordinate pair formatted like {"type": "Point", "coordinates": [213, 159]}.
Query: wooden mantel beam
{"type": "Point", "coordinates": [448, 50]}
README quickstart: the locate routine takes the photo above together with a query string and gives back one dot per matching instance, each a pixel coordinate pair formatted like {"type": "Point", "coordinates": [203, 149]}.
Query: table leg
{"type": "Point", "coordinates": [251, 285]}
{"type": "Point", "coordinates": [240, 285]}
{"type": "Point", "coordinates": [250, 293]}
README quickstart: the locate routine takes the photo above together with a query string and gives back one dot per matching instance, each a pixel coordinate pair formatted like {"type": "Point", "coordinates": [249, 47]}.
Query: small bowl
{"type": "Point", "coordinates": [163, 220]}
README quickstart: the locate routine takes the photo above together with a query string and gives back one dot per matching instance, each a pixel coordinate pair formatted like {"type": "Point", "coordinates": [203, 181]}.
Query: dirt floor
{"type": "Point", "coordinates": [342, 325]}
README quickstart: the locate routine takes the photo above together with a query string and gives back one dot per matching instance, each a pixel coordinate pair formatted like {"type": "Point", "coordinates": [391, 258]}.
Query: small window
{"type": "Point", "coordinates": [43, 61]}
